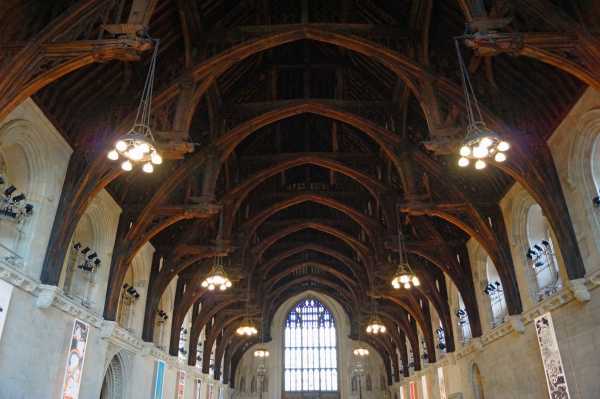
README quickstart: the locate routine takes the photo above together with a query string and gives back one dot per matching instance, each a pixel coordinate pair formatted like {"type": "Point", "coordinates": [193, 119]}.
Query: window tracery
{"type": "Point", "coordinates": [310, 349]}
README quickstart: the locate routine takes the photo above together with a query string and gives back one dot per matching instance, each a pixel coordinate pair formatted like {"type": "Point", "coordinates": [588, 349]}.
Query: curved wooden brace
{"type": "Point", "coordinates": [370, 225]}
{"type": "Point", "coordinates": [361, 249]}
{"type": "Point", "coordinates": [266, 267]}
{"type": "Point", "coordinates": [206, 313]}
{"type": "Point", "coordinates": [348, 282]}
{"type": "Point", "coordinates": [238, 194]}
{"type": "Point", "coordinates": [158, 284]}
{"type": "Point", "coordinates": [127, 247]}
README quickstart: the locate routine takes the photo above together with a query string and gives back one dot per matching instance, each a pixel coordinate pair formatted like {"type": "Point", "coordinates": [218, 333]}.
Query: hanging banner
{"type": "Point", "coordinates": [159, 379]}
{"type": "Point", "coordinates": [553, 365]}
{"type": "Point", "coordinates": [180, 384]}
{"type": "Point", "coordinates": [5, 294]}
{"type": "Point", "coordinates": [75, 359]}
{"type": "Point", "coordinates": [442, 383]}
{"type": "Point", "coordinates": [425, 387]}
{"type": "Point", "coordinates": [402, 392]}
{"type": "Point", "coordinates": [210, 391]}
{"type": "Point", "coordinates": [413, 390]}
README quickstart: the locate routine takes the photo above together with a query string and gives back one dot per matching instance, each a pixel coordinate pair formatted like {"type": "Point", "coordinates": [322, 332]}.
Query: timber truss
{"type": "Point", "coordinates": [312, 134]}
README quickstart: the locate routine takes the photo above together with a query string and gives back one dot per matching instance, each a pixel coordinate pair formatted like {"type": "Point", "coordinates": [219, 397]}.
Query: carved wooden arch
{"type": "Point", "coordinates": [238, 194]}
{"type": "Point", "coordinates": [462, 280]}
{"type": "Point", "coordinates": [393, 326]}
{"type": "Point", "coordinates": [347, 281]}
{"type": "Point", "coordinates": [405, 68]}
{"type": "Point", "coordinates": [351, 294]}
{"type": "Point", "coordinates": [19, 79]}
{"type": "Point", "coordinates": [368, 224]}
{"type": "Point", "coordinates": [382, 350]}
{"type": "Point", "coordinates": [361, 249]}
{"type": "Point", "coordinates": [221, 323]}
{"type": "Point", "coordinates": [159, 283]}
{"type": "Point", "coordinates": [353, 266]}
{"type": "Point", "coordinates": [237, 351]}
{"type": "Point", "coordinates": [206, 313]}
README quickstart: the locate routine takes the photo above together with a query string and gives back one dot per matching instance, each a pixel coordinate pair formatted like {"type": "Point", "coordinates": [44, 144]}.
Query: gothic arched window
{"type": "Point", "coordinates": [310, 349]}
{"type": "Point", "coordinates": [494, 291]}
{"type": "Point", "coordinates": [540, 254]}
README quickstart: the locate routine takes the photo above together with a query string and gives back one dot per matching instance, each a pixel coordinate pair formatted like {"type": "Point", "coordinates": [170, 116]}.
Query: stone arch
{"type": "Point", "coordinates": [36, 158]}
{"type": "Point", "coordinates": [115, 378]}
{"type": "Point", "coordinates": [530, 227]}
{"type": "Point", "coordinates": [477, 382]}
{"type": "Point", "coordinates": [580, 173]}
{"type": "Point", "coordinates": [345, 345]}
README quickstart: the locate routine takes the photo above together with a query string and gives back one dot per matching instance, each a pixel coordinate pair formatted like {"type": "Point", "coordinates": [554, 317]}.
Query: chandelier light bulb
{"type": "Point", "coordinates": [415, 281]}
{"type": "Point", "coordinates": [480, 164]}
{"type": "Point", "coordinates": [127, 166]}
{"type": "Point", "coordinates": [145, 148]}
{"type": "Point", "coordinates": [404, 279]}
{"type": "Point", "coordinates": [136, 153]}
{"type": "Point", "coordinates": [211, 287]}
{"type": "Point", "coordinates": [480, 151]}
{"type": "Point", "coordinates": [500, 157]}
{"type": "Point", "coordinates": [155, 158]}
{"type": "Point", "coordinates": [113, 155]}
{"type": "Point", "coordinates": [121, 146]}
{"type": "Point", "coordinates": [361, 352]}
{"type": "Point", "coordinates": [503, 146]}
{"type": "Point", "coordinates": [465, 151]}
{"type": "Point", "coordinates": [486, 142]}
{"type": "Point", "coordinates": [463, 162]}
{"type": "Point", "coordinates": [261, 353]}
{"type": "Point", "coordinates": [407, 286]}
{"type": "Point", "coordinates": [148, 168]}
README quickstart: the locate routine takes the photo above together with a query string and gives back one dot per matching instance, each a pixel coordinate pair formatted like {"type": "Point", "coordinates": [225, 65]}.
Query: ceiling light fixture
{"type": "Point", "coordinates": [247, 328]}
{"type": "Point", "coordinates": [375, 326]}
{"type": "Point", "coordinates": [137, 146]}
{"type": "Point", "coordinates": [404, 276]}
{"type": "Point", "coordinates": [480, 143]}
{"type": "Point", "coordinates": [217, 278]}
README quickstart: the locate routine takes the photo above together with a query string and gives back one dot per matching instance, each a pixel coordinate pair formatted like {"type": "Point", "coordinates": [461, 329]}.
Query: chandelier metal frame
{"type": "Point", "coordinates": [480, 143]}
{"type": "Point", "coordinates": [138, 146]}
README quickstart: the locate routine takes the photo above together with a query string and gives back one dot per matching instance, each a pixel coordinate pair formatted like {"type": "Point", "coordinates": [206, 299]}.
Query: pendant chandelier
{"type": "Point", "coordinates": [247, 328]}
{"type": "Point", "coordinates": [404, 276]}
{"type": "Point", "coordinates": [261, 352]}
{"type": "Point", "coordinates": [137, 146]}
{"type": "Point", "coordinates": [217, 278]}
{"type": "Point", "coordinates": [375, 326]}
{"type": "Point", "coordinates": [480, 143]}
{"type": "Point", "coordinates": [361, 352]}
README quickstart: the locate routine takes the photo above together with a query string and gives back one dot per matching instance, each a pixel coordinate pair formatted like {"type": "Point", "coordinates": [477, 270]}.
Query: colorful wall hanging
{"type": "Point", "coordinates": [75, 360]}
{"type": "Point", "coordinates": [553, 365]}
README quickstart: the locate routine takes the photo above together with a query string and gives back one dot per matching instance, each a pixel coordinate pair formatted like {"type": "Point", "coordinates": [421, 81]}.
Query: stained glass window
{"type": "Point", "coordinates": [310, 353]}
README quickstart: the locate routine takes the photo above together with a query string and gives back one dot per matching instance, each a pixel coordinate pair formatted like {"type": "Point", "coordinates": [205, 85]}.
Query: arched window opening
{"type": "Point", "coordinates": [129, 296]}
{"type": "Point", "coordinates": [310, 352]}
{"type": "Point", "coordinates": [463, 321]}
{"type": "Point", "coordinates": [112, 386]}
{"type": "Point", "coordinates": [541, 257]}
{"type": "Point", "coordinates": [441, 338]}
{"type": "Point", "coordinates": [477, 382]}
{"type": "Point", "coordinates": [493, 289]}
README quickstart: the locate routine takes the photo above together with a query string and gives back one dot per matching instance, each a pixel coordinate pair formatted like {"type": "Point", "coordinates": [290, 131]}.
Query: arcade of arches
{"type": "Point", "coordinates": [308, 148]}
